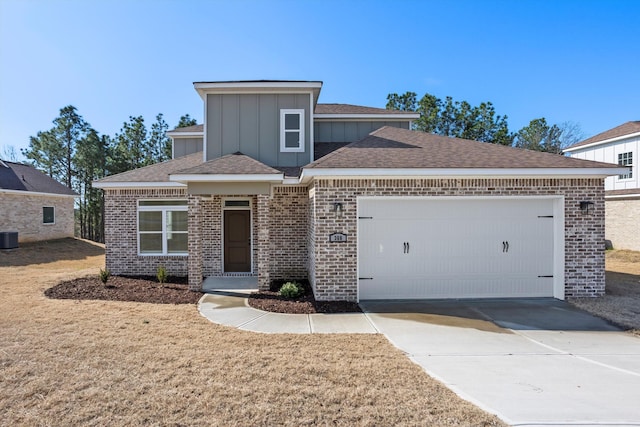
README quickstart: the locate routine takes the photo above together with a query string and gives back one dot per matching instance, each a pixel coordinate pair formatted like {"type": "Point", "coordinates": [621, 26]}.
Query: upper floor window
{"type": "Point", "coordinates": [48, 215]}
{"type": "Point", "coordinates": [626, 159]}
{"type": "Point", "coordinates": [292, 130]}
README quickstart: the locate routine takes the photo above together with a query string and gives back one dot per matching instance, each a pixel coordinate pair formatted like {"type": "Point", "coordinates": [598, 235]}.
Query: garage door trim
{"type": "Point", "coordinates": [558, 229]}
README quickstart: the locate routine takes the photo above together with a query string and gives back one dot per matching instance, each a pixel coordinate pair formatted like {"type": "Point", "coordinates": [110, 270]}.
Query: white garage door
{"type": "Point", "coordinates": [455, 248]}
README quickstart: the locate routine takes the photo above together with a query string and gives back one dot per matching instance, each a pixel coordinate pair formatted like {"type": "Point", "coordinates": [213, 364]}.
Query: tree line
{"type": "Point", "coordinates": [75, 154]}
{"type": "Point", "coordinates": [481, 123]}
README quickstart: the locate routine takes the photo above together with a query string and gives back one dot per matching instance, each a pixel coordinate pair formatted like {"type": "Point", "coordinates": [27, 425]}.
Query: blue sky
{"type": "Point", "coordinates": [564, 60]}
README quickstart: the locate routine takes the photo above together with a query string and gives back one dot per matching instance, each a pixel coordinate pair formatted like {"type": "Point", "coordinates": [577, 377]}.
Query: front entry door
{"type": "Point", "coordinates": [237, 241]}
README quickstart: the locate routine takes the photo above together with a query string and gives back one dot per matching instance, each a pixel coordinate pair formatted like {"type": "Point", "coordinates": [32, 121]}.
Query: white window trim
{"type": "Point", "coordinates": [236, 208]}
{"type": "Point", "coordinates": [164, 210]}
{"type": "Point", "coordinates": [630, 172]}
{"type": "Point", "coordinates": [283, 131]}
{"type": "Point", "coordinates": [54, 215]}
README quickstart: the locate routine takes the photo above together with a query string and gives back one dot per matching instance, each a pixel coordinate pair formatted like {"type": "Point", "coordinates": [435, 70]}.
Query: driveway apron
{"type": "Point", "coordinates": [529, 361]}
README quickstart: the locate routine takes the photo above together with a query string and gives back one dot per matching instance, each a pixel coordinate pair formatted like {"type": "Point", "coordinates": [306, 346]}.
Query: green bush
{"type": "Point", "coordinates": [291, 290]}
{"type": "Point", "coordinates": [104, 275]}
{"type": "Point", "coordinates": [162, 274]}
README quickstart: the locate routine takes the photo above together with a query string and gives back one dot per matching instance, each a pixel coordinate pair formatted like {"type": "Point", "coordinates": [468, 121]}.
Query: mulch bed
{"type": "Point", "coordinates": [121, 288]}
{"type": "Point", "coordinates": [306, 304]}
{"type": "Point", "coordinates": [147, 289]}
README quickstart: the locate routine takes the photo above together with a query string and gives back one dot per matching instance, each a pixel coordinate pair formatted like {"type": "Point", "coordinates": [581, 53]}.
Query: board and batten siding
{"type": "Point", "coordinates": [350, 131]}
{"type": "Point", "coordinates": [608, 153]}
{"type": "Point", "coordinates": [250, 124]}
{"type": "Point", "coordinates": [185, 146]}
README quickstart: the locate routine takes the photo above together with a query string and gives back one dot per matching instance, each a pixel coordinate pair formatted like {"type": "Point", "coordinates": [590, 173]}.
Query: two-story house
{"type": "Point", "coordinates": [274, 185]}
{"type": "Point", "coordinates": [620, 145]}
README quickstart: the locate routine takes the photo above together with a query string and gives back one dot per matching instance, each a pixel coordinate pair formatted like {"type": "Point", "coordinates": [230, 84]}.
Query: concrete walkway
{"type": "Point", "coordinates": [230, 308]}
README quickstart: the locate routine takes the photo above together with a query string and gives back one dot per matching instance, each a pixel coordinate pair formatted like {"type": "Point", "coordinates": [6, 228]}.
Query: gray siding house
{"type": "Point", "coordinates": [275, 185]}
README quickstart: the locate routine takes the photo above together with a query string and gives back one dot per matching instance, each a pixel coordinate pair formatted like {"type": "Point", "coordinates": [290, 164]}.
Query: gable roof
{"type": "Point", "coordinates": [231, 164]}
{"type": "Point", "coordinates": [157, 173]}
{"type": "Point", "coordinates": [21, 177]}
{"type": "Point", "coordinates": [395, 148]}
{"type": "Point", "coordinates": [628, 128]}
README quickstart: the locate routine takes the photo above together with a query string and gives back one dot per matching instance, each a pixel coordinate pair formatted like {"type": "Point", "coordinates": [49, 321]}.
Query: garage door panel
{"type": "Point", "coordinates": [458, 248]}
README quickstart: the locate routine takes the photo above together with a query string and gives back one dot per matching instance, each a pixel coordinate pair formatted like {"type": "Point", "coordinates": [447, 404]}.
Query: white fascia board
{"type": "Point", "coordinates": [227, 178]}
{"type": "Point", "coordinates": [132, 184]}
{"type": "Point", "coordinates": [606, 141]}
{"type": "Point", "coordinates": [205, 88]}
{"type": "Point", "coordinates": [256, 85]}
{"type": "Point", "coordinates": [451, 173]}
{"type": "Point", "coordinates": [37, 193]}
{"type": "Point", "coordinates": [174, 135]}
{"type": "Point", "coordinates": [390, 116]}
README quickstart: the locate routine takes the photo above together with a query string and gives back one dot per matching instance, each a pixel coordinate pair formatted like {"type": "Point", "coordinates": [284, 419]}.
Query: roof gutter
{"type": "Point", "coordinates": [309, 173]}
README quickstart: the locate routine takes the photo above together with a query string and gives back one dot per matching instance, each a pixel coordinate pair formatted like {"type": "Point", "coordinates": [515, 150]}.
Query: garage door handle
{"type": "Point", "coordinates": [406, 247]}
{"type": "Point", "coordinates": [505, 246]}
{"type": "Point", "coordinates": [365, 278]}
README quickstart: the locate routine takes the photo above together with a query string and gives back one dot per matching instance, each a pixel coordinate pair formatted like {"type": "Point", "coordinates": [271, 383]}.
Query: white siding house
{"type": "Point", "coordinates": [620, 145]}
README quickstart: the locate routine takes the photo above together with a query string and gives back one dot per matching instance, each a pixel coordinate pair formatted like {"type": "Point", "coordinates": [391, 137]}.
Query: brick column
{"type": "Point", "coordinates": [195, 243]}
{"type": "Point", "coordinates": [263, 241]}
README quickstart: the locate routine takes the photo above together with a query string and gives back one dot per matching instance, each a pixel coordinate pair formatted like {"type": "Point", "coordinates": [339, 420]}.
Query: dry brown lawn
{"type": "Point", "coordinates": [621, 304]}
{"type": "Point", "coordinates": [65, 362]}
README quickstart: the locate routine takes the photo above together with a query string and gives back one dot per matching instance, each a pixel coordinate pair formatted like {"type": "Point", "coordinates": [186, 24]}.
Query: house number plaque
{"type": "Point", "coordinates": [337, 238]}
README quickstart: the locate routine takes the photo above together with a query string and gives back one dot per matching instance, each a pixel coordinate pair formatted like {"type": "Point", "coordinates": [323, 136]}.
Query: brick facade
{"type": "Point", "coordinates": [23, 213]}
{"type": "Point", "coordinates": [334, 267]}
{"type": "Point", "coordinates": [121, 234]}
{"type": "Point", "coordinates": [291, 227]}
{"type": "Point", "coordinates": [622, 219]}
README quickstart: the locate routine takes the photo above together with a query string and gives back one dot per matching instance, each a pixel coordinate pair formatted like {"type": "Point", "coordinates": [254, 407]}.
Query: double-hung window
{"type": "Point", "coordinates": [626, 159]}
{"type": "Point", "coordinates": [292, 130]}
{"type": "Point", "coordinates": [162, 227]}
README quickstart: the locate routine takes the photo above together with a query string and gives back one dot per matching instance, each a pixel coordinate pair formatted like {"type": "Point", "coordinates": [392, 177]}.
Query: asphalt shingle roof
{"type": "Point", "coordinates": [624, 129]}
{"type": "Point", "coordinates": [158, 172]}
{"type": "Point", "coordinates": [21, 177]}
{"type": "Point", "coordinates": [231, 164]}
{"type": "Point", "coordinates": [194, 128]}
{"type": "Point", "coordinates": [391, 147]}
{"type": "Point", "coordinates": [354, 109]}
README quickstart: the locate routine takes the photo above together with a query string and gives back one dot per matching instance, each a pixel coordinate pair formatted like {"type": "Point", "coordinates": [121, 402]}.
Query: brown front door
{"type": "Point", "coordinates": [237, 241]}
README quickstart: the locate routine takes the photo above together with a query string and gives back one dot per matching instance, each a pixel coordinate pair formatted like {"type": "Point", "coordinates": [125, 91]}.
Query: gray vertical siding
{"type": "Point", "coordinates": [184, 146]}
{"type": "Point", "coordinates": [341, 131]}
{"type": "Point", "coordinates": [250, 123]}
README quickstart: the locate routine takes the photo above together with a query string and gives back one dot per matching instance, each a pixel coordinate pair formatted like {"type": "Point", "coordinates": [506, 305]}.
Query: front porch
{"type": "Point", "coordinates": [226, 283]}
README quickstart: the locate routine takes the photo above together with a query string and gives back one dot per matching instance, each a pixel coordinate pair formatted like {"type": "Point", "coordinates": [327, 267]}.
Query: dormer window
{"type": "Point", "coordinates": [292, 131]}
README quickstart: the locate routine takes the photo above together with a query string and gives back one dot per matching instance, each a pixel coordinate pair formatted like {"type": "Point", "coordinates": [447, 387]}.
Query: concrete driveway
{"type": "Point", "coordinates": [530, 361]}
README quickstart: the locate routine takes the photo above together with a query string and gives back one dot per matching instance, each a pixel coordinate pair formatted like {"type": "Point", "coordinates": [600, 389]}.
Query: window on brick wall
{"type": "Point", "coordinates": [626, 159]}
{"type": "Point", "coordinates": [162, 227]}
{"type": "Point", "coordinates": [48, 215]}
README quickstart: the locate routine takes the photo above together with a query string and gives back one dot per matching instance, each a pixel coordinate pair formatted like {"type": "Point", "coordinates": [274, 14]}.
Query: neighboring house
{"type": "Point", "coordinates": [620, 145]}
{"type": "Point", "coordinates": [33, 204]}
{"type": "Point", "coordinates": [281, 190]}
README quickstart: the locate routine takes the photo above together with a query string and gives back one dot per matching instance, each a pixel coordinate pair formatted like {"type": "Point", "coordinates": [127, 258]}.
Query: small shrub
{"type": "Point", "coordinates": [104, 275]}
{"type": "Point", "coordinates": [162, 274]}
{"type": "Point", "coordinates": [291, 290]}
